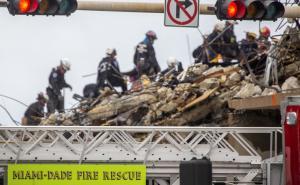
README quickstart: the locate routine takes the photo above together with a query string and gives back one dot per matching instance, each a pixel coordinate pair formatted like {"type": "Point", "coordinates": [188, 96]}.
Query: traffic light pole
{"type": "Point", "coordinates": [205, 9]}
{"type": "Point", "coordinates": [292, 12]}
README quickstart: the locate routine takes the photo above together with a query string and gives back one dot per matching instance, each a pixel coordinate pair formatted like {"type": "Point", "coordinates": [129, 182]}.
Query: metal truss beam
{"type": "Point", "coordinates": [160, 148]}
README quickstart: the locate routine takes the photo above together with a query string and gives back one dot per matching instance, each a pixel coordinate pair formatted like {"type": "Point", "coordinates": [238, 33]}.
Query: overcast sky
{"type": "Point", "coordinates": [31, 46]}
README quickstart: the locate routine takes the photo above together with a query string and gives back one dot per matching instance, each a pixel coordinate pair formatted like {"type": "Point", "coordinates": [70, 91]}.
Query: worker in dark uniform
{"type": "Point", "coordinates": [256, 60]}
{"type": "Point", "coordinates": [56, 84]}
{"type": "Point", "coordinates": [35, 112]}
{"type": "Point", "coordinates": [200, 53]}
{"type": "Point", "coordinates": [230, 50]}
{"type": "Point", "coordinates": [210, 52]}
{"type": "Point", "coordinates": [249, 45]}
{"type": "Point", "coordinates": [144, 58]}
{"type": "Point", "coordinates": [109, 74]}
{"type": "Point", "coordinates": [217, 42]}
{"type": "Point", "coordinates": [91, 91]}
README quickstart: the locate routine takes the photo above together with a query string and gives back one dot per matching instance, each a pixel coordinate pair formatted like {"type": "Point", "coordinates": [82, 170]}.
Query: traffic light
{"type": "Point", "coordinates": [41, 7]}
{"type": "Point", "coordinates": [248, 9]}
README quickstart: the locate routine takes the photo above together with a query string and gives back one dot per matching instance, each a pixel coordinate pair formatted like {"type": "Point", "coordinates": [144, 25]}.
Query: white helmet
{"type": "Point", "coordinates": [64, 62]}
{"type": "Point", "coordinates": [172, 61]}
{"type": "Point", "coordinates": [219, 27]}
{"type": "Point", "coordinates": [111, 51]}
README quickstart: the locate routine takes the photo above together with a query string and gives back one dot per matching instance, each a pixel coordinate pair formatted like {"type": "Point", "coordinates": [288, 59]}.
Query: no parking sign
{"type": "Point", "coordinates": [182, 13]}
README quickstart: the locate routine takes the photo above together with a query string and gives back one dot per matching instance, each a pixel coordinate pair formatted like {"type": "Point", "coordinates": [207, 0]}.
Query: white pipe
{"type": "Point", "coordinates": [205, 9]}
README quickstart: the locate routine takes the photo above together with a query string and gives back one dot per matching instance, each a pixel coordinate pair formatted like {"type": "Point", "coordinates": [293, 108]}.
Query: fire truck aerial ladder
{"type": "Point", "coordinates": [161, 149]}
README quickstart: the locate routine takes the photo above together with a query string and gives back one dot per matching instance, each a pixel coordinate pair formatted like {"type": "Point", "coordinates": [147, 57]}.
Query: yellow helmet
{"type": "Point", "coordinates": [251, 34]}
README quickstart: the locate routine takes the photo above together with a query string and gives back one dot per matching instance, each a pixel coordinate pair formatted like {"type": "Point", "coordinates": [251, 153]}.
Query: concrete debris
{"type": "Point", "coordinates": [117, 106]}
{"type": "Point", "coordinates": [198, 69]}
{"type": "Point", "coordinates": [249, 90]}
{"type": "Point", "coordinates": [209, 83]}
{"type": "Point", "coordinates": [234, 78]}
{"type": "Point", "coordinates": [290, 83]}
{"type": "Point", "coordinates": [168, 107]}
{"type": "Point", "coordinates": [268, 91]}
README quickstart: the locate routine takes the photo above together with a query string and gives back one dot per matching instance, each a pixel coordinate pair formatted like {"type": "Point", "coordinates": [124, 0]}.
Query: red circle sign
{"type": "Point", "coordinates": [190, 17]}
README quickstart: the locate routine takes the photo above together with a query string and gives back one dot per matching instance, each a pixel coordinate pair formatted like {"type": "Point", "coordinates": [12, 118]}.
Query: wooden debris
{"type": "Point", "coordinates": [199, 99]}
{"type": "Point", "coordinates": [118, 106]}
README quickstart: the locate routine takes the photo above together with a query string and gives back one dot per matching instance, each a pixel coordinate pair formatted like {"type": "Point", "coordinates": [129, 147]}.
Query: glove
{"type": "Point", "coordinates": [232, 40]}
{"type": "Point", "coordinates": [70, 87]}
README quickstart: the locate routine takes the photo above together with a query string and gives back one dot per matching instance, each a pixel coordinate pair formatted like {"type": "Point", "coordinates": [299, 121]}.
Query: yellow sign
{"type": "Point", "coordinates": [70, 174]}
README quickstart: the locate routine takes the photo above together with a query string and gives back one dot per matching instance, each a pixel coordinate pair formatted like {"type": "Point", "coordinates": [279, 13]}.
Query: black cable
{"type": "Point", "coordinates": [14, 100]}
{"type": "Point", "coordinates": [22, 103]}
{"type": "Point", "coordinates": [10, 116]}
{"type": "Point", "coordinates": [18, 101]}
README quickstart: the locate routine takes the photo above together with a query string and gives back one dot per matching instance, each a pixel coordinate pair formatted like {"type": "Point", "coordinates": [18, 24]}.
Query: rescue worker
{"type": "Point", "coordinates": [91, 91]}
{"type": "Point", "coordinates": [56, 84]}
{"type": "Point", "coordinates": [215, 48]}
{"type": "Point", "coordinates": [35, 112]}
{"type": "Point", "coordinates": [249, 45]}
{"type": "Point", "coordinates": [174, 67]}
{"type": "Point", "coordinates": [263, 40]}
{"type": "Point", "coordinates": [256, 60]}
{"type": "Point", "coordinates": [109, 72]}
{"type": "Point", "coordinates": [210, 52]}
{"type": "Point", "coordinates": [169, 75]}
{"type": "Point", "coordinates": [144, 58]}
{"type": "Point", "coordinates": [200, 53]}
{"type": "Point", "coordinates": [229, 35]}
{"type": "Point", "coordinates": [231, 48]}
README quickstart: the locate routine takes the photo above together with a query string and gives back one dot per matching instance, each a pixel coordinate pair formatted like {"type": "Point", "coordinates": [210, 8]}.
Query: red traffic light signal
{"type": "Point", "coordinates": [41, 7]}
{"type": "Point", "coordinates": [236, 9]}
{"type": "Point", "coordinates": [249, 9]}
{"type": "Point", "coordinates": [24, 6]}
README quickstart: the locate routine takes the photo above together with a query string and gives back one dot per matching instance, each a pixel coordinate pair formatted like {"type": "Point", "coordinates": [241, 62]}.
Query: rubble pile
{"type": "Point", "coordinates": [200, 97]}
